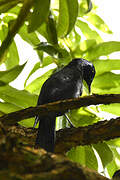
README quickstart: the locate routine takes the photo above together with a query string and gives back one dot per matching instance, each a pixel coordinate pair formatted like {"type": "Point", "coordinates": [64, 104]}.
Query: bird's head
{"type": "Point", "coordinates": [88, 70]}
{"type": "Point", "coordinates": [88, 73]}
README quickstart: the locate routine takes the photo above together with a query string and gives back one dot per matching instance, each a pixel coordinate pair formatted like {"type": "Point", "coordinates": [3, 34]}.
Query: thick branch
{"type": "Point", "coordinates": [59, 106]}
{"type": "Point", "coordinates": [72, 137]}
{"type": "Point", "coordinates": [18, 162]}
{"type": "Point", "coordinates": [92, 134]}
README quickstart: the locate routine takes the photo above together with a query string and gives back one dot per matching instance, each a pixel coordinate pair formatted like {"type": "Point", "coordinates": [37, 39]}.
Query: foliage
{"type": "Point", "coordinates": [70, 29]}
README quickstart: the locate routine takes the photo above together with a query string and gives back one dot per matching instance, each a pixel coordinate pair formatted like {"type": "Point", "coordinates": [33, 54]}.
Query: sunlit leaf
{"type": "Point", "coordinates": [106, 154]}
{"type": "Point", "coordinates": [106, 65]}
{"type": "Point", "coordinates": [36, 66]}
{"type": "Point", "coordinates": [104, 49]}
{"type": "Point", "coordinates": [98, 22]}
{"type": "Point", "coordinates": [12, 56]}
{"type": "Point", "coordinates": [31, 38]}
{"type": "Point", "coordinates": [9, 75]}
{"type": "Point", "coordinates": [111, 108]}
{"type": "Point", "coordinates": [106, 81]}
{"type": "Point", "coordinates": [115, 164]}
{"type": "Point", "coordinates": [87, 31]}
{"type": "Point", "coordinates": [5, 5]}
{"type": "Point", "coordinates": [6, 107]}
{"type": "Point", "coordinates": [68, 11]}
{"type": "Point", "coordinates": [84, 155]}
{"type": "Point", "coordinates": [73, 13]}
{"type": "Point", "coordinates": [17, 97]}
{"type": "Point", "coordinates": [39, 15]}
{"type": "Point", "coordinates": [35, 86]}
{"type": "Point", "coordinates": [82, 117]}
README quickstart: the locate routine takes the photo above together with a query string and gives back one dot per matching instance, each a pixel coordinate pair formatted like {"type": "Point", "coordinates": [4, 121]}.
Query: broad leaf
{"type": "Point", "coordinates": [98, 22]}
{"type": "Point", "coordinates": [35, 86]}
{"type": "Point", "coordinates": [106, 154]}
{"type": "Point", "coordinates": [30, 38]}
{"type": "Point", "coordinates": [87, 31]}
{"type": "Point", "coordinates": [104, 49]}
{"type": "Point", "coordinates": [68, 11]}
{"type": "Point", "coordinates": [115, 164]}
{"type": "Point", "coordinates": [107, 81]}
{"type": "Point", "coordinates": [5, 5]}
{"type": "Point", "coordinates": [111, 108]}
{"type": "Point", "coordinates": [39, 15]}
{"type": "Point", "coordinates": [9, 75]}
{"type": "Point", "coordinates": [82, 117]}
{"type": "Point", "coordinates": [12, 56]}
{"type": "Point", "coordinates": [55, 51]}
{"type": "Point", "coordinates": [84, 155]}
{"type": "Point", "coordinates": [6, 107]}
{"type": "Point", "coordinates": [107, 65]}
{"type": "Point", "coordinates": [36, 66]}
{"type": "Point", "coordinates": [51, 30]}
{"type": "Point", "coordinates": [19, 98]}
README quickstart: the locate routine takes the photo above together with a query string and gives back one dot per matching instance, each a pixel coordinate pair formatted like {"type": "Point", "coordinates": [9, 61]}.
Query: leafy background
{"type": "Point", "coordinates": [59, 31]}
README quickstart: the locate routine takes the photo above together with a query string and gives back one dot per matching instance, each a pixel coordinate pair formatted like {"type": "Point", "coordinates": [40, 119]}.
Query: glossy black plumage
{"type": "Point", "coordinates": [64, 84]}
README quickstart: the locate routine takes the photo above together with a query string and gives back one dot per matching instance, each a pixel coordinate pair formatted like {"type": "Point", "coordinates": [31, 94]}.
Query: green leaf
{"type": "Point", "coordinates": [63, 19]}
{"type": "Point", "coordinates": [43, 31]}
{"type": "Point", "coordinates": [11, 74]}
{"type": "Point", "coordinates": [68, 11]}
{"type": "Point", "coordinates": [35, 86]}
{"type": "Point", "coordinates": [19, 98]}
{"type": "Point", "coordinates": [30, 38]}
{"type": "Point", "coordinates": [102, 66]}
{"type": "Point", "coordinates": [89, 2]}
{"type": "Point", "coordinates": [48, 48]}
{"type": "Point", "coordinates": [54, 51]}
{"type": "Point", "coordinates": [73, 13]}
{"type": "Point", "coordinates": [106, 154]}
{"type": "Point", "coordinates": [46, 61]}
{"type": "Point", "coordinates": [39, 15]}
{"type": "Point", "coordinates": [98, 22]}
{"type": "Point", "coordinates": [84, 155]}
{"type": "Point", "coordinates": [107, 81]}
{"type": "Point", "coordinates": [82, 117]}
{"type": "Point", "coordinates": [111, 108]}
{"type": "Point", "coordinates": [87, 31]}
{"type": "Point", "coordinates": [115, 164]}
{"type": "Point", "coordinates": [87, 44]}
{"type": "Point", "coordinates": [6, 107]}
{"type": "Point", "coordinates": [36, 67]}
{"type": "Point", "coordinates": [114, 142]}
{"type": "Point", "coordinates": [5, 5]}
{"type": "Point", "coordinates": [51, 30]}
{"type": "Point", "coordinates": [12, 56]}
{"type": "Point", "coordinates": [103, 49]}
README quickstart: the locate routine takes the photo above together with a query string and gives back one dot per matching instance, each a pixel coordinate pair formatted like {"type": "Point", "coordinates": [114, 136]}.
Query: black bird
{"type": "Point", "coordinates": [64, 84]}
{"type": "Point", "coordinates": [116, 175]}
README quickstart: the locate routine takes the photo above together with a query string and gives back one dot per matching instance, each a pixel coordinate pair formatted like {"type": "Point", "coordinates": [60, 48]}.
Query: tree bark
{"type": "Point", "coordinates": [20, 162]}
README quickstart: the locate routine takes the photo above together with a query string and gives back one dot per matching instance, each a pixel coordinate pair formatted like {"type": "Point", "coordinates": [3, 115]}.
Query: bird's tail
{"type": "Point", "coordinates": [46, 133]}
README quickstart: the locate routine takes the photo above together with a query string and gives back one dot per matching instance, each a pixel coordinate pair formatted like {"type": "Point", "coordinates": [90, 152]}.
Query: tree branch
{"type": "Point", "coordinates": [72, 137]}
{"type": "Point", "coordinates": [59, 106]}
{"type": "Point", "coordinates": [19, 162]}
{"type": "Point", "coordinates": [14, 28]}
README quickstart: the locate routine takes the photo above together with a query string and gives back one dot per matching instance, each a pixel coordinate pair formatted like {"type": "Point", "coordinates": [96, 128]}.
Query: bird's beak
{"type": "Point", "coordinates": [89, 88]}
